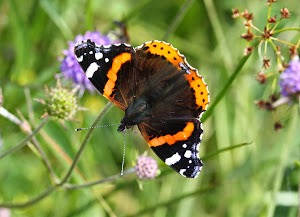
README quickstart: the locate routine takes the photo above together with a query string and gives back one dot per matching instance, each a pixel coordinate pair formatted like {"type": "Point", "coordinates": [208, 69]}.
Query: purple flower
{"type": "Point", "coordinates": [71, 68]}
{"type": "Point", "coordinates": [146, 167]}
{"type": "Point", "coordinates": [290, 79]}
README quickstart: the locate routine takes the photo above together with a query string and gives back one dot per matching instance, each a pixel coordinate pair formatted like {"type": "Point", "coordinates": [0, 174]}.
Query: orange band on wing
{"type": "Point", "coordinates": [163, 49]}
{"type": "Point", "coordinates": [172, 55]}
{"type": "Point", "coordinates": [171, 139]}
{"type": "Point", "coordinates": [200, 88]}
{"type": "Point", "coordinates": [112, 73]}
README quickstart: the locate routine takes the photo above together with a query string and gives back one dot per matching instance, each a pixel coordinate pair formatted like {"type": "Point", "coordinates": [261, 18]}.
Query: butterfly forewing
{"type": "Point", "coordinates": [109, 68]}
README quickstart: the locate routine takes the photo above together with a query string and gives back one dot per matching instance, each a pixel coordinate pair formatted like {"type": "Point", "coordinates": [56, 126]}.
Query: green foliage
{"type": "Point", "coordinates": [249, 169]}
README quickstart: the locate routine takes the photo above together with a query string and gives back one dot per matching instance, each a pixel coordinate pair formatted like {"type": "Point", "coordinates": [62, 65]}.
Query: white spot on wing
{"type": "Point", "coordinates": [173, 159]}
{"type": "Point", "coordinates": [182, 171]}
{"type": "Point", "coordinates": [91, 52]}
{"type": "Point", "coordinates": [98, 55]}
{"type": "Point", "coordinates": [187, 154]}
{"type": "Point", "coordinates": [184, 146]}
{"type": "Point", "coordinates": [79, 59]}
{"type": "Point", "coordinates": [91, 70]}
{"type": "Point", "coordinates": [106, 60]}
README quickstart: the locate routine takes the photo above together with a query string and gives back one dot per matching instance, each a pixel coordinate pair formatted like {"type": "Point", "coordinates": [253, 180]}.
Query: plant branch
{"type": "Point", "coordinates": [226, 87]}
{"type": "Point", "coordinates": [47, 192]}
{"type": "Point", "coordinates": [85, 141]}
{"type": "Point", "coordinates": [28, 138]}
{"type": "Point", "coordinates": [108, 179]}
{"type": "Point", "coordinates": [287, 29]}
{"type": "Point", "coordinates": [172, 201]}
{"type": "Point", "coordinates": [223, 150]}
{"type": "Point", "coordinates": [45, 159]}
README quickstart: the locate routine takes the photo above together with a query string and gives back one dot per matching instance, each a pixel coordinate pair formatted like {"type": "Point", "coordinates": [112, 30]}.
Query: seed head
{"type": "Point", "coordinates": [285, 14]}
{"type": "Point", "coordinates": [60, 102]}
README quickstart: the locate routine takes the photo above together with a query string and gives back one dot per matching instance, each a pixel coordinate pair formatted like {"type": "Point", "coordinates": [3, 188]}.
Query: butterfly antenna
{"type": "Point", "coordinates": [109, 125]}
{"type": "Point", "coordinates": [122, 170]}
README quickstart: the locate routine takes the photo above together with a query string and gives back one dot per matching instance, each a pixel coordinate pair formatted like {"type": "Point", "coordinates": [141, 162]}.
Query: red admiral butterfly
{"type": "Point", "coordinates": [159, 92]}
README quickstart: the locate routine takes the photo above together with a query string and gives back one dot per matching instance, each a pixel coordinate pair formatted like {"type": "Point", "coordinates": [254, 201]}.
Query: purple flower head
{"type": "Point", "coordinates": [290, 79]}
{"type": "Point", "coordinates": [71, 69]}
{"type": "Point", "coordinates": [146, 167]}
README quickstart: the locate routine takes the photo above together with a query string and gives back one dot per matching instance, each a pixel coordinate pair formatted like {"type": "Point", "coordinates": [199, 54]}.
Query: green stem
{"type": "Point", "coordinates": [29, 202]}
{"type": "Point", "coordinates": [276, 51]}
{"type": "Point", "coordinates": [108, 179]}
{"type": "Point", "coordinates": [219, 34]}
{"type": "Point", "coordinates": [45, 159]}
{"type": "Point", "coordinates": [223, 150]}
{"type": "Point", "coordinates": [284, 157]}
{"type": "Point", "coordinates": [287, 29]}
{"type": "Point", "coordinates": [269, 14]}
{"type": "Point", "coordinates": [226, 87]}
{"type": "Point", "coordinates": [178, 18]}
{"type": "Point", "coordinates": [49, 8]}
{"type": "Point", "coordinates": [274, 27]}
{"type": "Point", "coordinates": [28, 138]}
{"type": "Point", "coordinates": [85, 141]}
{"type": "Point", "coordinates": [284, 42]}
{"type": "Point", "coordinates": [172, 201]}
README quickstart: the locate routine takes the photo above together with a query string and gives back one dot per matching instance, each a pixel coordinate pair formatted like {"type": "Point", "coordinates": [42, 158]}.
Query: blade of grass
{"type": "Point", "coordinates": [41, 196]}
{"type": "Point", "coordinates": [223, 150]}
{"type": "Point", "coordinates": [85, 141]}
{"type": "Point", "coordinates": [51, 11]}
{"type": "Point", "coordinates": [28, 138]}
{"type": "Point", "coordinates": [224, 90]}
{"type": "Point", "coordinates": [21, 40]}
{"type": "Point", "coordinates": [291, 132]}
{"type": "Point", "coordinates": [219, 34]}
{"type": "Point", "coordinates": [172, 201]}
{"type": "Point", "coordinates": [178, 18]}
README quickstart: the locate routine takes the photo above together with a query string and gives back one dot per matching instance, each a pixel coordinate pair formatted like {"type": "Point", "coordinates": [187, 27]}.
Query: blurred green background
{"type": "Point", "coordinates": [259, 179]}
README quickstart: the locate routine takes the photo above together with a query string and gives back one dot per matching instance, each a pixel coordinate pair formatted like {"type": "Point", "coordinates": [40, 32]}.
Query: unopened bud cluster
{"type": "Point", "coordinates": [61, 103]}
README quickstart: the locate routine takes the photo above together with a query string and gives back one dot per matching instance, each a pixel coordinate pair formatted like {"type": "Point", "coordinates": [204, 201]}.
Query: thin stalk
{"type": "Point", "coordinates": [284, 42]}
{"type": "Point", "coordinates": [274, 27]}
{"type": "Point", "coordinates": [47, 192]}
{"type": "Point", "coordinates": [29, 105]}
{"type": "Point", "coordinates": [219, 34]}
{"type": "Point", "coordinates": [84, 143]}
{"type": "Point", "coordinates": [287, 29]}
{"type": "Point", "coordinates": [265, 50]}
{"type": "Point", "coordinates": [276, 50]}
{"type": "Point", "coordinates": [284, 157]}
{"type": "Point", "coordinates": [108, 179]}
{"type": "Point", "coordinates": [28, 138]}
{"type": "Point", "coordinates": [269, 14]}
{"type": "Point", "coordinates": [172, 201]}
{"type": "Point", "coordinates": [226, 87]}
{"type": "Point", "coordinates": [45, 159]}
{"type": "Point", "coordinates": [257, 29]}
{"type": "Point", "coordinates": [224, 149]}
{"type": "Point", "coordinates": [10, 116]}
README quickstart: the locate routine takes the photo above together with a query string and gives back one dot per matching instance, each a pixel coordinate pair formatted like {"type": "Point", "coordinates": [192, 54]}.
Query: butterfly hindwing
{"type": "Point", "coordinates": [176, 142]}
